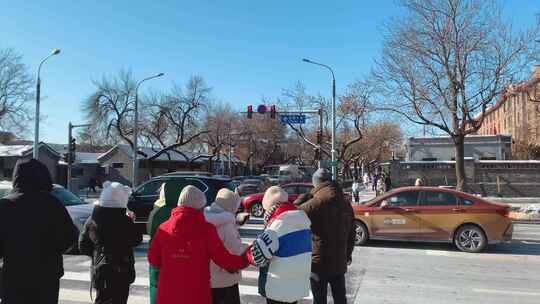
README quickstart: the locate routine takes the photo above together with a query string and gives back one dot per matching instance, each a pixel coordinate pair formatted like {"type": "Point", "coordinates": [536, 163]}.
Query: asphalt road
{"type": "Point", "coordinates": [387, 272]}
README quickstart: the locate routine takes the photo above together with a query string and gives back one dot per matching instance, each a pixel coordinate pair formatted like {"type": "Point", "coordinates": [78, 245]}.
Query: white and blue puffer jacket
{"type": "Point", "coordinates": [283, 254]}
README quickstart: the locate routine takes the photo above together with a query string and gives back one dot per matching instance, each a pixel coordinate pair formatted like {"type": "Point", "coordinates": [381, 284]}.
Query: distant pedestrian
{"type": "Point", "coordinates": [222, 214]}
{"type": "Point", "coordinates": [387, 182]}
{"type": "Point", "coordinates": [182, 249]}
{"type": "Point", "coordinates": [167, 201]}
{"type": "Point", "coordinates": [333, 236]}
{"type": "Point", "coordinates": [375, 183]}
{"type": "Point", "coordinates": [93, 184]}
{"type": "Point", "coordinates": [283, 250]}
{"type": "Point", "coordinates": [35, 230]}
{"type": "Point", "coordinates": [419, 182]}
{"type": "Point", "coordinates": [366, 180]}
{"type": "Point", "coordinates": [108, 237]}
{"type": "Point", "coordinates": [356, 191]}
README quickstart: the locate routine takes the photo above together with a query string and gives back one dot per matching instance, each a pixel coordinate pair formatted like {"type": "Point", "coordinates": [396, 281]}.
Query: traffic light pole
{"type": "Point", "coordinates": [69, 160]}
{"type": "Point", "coordinates": [319, 112]}
{"type": "Point", "coordinates": [71, 151]}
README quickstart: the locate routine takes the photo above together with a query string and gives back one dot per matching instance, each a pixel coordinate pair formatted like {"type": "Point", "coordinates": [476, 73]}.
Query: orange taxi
{"type": "Point", "coordinates": [434, 215]}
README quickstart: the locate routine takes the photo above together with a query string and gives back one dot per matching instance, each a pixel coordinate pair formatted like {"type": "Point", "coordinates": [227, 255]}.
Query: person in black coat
{"type": "Point", "coordinates": [108, 237]}
{"type": "Point", "coordinates": [35, 230]}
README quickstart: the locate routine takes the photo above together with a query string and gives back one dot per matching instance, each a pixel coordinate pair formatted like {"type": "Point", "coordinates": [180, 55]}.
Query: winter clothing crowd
{"type": "Point", "coordinates": [195, 254]}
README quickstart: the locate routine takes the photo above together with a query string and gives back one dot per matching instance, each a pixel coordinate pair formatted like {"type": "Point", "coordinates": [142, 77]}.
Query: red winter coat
{"type": "Point", "coordinates": [182, 249]}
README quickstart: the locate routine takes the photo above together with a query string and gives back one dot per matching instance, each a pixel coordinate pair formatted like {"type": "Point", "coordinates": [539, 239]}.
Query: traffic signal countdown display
{"type": "Point", "coordinates": [262, 109]}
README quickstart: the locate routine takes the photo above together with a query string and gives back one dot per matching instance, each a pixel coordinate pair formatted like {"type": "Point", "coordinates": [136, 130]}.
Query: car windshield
{"type": "Point", "coordinates": [66, 197]}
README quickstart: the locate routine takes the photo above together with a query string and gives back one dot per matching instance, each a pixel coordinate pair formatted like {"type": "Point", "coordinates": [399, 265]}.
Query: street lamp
{"type": "Point", "coordinates": [136, 130]}
{"type": "Point", "coordinates": [334, 164]}
{"type": "Point", "coordinates": [38, 93]}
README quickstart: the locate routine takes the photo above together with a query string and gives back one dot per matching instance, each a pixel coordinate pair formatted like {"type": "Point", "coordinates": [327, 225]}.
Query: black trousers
{"type": "Point", "coordinates": [270, 301]}
{"type": "Point", "coordinates": [113, 294]}
{"type": "Point", "coordinates": [46, 293]}
{"type": "Point", "coordinates": [319, 288]}
{"type": "Point", "coordinates": [226, 295]}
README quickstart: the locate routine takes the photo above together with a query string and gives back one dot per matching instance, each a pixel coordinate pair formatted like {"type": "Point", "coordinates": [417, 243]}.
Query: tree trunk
{"type": "Point", "coordinates": [459, 145]}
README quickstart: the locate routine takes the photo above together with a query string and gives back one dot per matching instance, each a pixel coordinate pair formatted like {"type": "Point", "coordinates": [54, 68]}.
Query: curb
{"type": "Point", "coordinates": [532, 222]}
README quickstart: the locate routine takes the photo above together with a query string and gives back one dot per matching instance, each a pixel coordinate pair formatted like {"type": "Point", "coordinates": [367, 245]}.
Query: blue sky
{"type": "Point", "coordinates": [244, 49]}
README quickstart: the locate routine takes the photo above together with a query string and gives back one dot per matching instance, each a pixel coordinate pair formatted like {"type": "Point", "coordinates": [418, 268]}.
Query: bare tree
{"type": "Point", "coordinates": [445, 61]}
{"type": "Point", "coordinates": [219, 123]}
{"type": "Point", "coordinates": [174, 120]}
{"type": "Point", "coordinates": [110, 109]}
{"type": "Point", "coordinates": [352, 110]}
{"type": "Point", "coordinates": [15, 92]}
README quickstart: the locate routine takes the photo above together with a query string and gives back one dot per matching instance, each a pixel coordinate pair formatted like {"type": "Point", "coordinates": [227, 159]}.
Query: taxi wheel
{"type": "Point", "coordinates": [361, 233]}
{"type": "Point", "coordinates": [257, 210]}
{"type": "Point", "coordinates": [470, 238]}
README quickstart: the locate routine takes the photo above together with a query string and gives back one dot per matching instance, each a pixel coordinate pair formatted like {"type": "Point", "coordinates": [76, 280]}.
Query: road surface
{"type": "Point", "coordinates": [386, 272]}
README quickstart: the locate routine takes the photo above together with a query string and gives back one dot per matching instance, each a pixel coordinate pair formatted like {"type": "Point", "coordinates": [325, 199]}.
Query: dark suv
{"type": "Point", "coordinates": [143, 198]}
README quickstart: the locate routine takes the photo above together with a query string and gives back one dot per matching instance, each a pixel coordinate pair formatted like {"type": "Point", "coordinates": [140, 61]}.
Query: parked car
{"type": "Point", "coordinates": [253, 203]}
{"type": "Point", "coordinates": [263, 182]}
{"type": "Point", "coordinates": [248, 189]}
{"type": "Point", "coordinates": [78, 210]}
{"type": "Point", "coordinates": [142, 200]}
{"type": "Point", "coordinates": [435, 215]}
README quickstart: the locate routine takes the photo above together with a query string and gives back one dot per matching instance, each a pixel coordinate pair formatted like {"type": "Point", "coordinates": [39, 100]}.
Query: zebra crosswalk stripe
{"type": "Point", "coordinates": [67, 294]}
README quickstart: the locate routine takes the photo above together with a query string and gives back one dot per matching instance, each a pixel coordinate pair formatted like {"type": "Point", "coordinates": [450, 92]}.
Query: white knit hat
{"type": "Point", "coordinates": [228, 200]}
{"type": "Point", "coordinates": [192, 197]}
{"type": "Point", "coordinates": [274, 195]}
{"type": "Point", "coordinates": [114, 195]}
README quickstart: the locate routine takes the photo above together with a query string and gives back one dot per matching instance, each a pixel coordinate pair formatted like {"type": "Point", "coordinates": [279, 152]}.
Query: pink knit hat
{"type": "Point", "coordinates": [192, 197]}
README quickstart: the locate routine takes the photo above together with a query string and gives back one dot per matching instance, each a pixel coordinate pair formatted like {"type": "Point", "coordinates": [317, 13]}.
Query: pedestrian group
{"type": "Point", "coordinates": [195, 254]}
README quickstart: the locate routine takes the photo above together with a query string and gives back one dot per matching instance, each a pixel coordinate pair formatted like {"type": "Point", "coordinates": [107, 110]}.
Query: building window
{"type": "Point", "coordinates": [8, 173]}
{"type": "Point", "coordinates": [117, 165]}
{"type": "Point", "coordinates": [77, 172]}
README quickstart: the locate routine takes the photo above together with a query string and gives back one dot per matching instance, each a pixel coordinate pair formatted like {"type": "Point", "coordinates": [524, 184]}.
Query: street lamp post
{"type": "Point", "coordinates": [333, 152]}
{"type": "Point", "coordinates": [38, 101]}
{"type": "Point", "coordinates": [136, 131]}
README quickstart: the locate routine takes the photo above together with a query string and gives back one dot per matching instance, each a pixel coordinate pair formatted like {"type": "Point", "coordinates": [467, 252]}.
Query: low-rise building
{"type": "Point", "coordinates": [441, 148]}
{"type": "Point", "coordinates": [9, 154]}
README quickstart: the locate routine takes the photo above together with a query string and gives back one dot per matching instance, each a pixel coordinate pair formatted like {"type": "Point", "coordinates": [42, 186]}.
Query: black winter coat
{"type": "Point", "coordinates": [332, 228]}
{"type": "Point", "coordinates": [110, 232]}
{"type": "Point", "coordinates": [35, 230]}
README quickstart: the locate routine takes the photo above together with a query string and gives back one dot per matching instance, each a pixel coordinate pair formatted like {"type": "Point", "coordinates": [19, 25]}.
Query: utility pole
{"type": "Point", "coordinates": [70, 158]}
{"type": "Point", "coordinates": [38, 103]}
{"type": "Point", "coordinates": [333, 151]}
{"type": "Point", "coordinates": [135, 173]}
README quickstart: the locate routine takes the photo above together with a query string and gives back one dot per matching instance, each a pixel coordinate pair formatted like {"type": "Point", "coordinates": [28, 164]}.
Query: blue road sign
{"type": "Point", "coordinates": [293, 119]}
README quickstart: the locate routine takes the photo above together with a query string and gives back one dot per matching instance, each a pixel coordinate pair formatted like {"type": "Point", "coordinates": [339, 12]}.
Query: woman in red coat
{"type": "Point", "coordinates": [182, 249]}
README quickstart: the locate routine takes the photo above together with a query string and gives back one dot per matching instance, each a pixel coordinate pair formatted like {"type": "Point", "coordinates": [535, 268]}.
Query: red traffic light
{"type": "Point", "coordinates": [249, 111]}
{"type": "Point", "coordinates": [273, 111]}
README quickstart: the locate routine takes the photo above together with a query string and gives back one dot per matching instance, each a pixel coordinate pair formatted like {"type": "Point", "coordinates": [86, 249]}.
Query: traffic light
{"type": "Point", "coordinates": [249, 111]}
{"type": "Point", "coordinates": [66, 158]}
{"type": "Point", "coordinates": [72, 144]}
{"type": "Point", "coordinates": [319, 137]}
{"type": "Point", "coordinates": [273, 111]}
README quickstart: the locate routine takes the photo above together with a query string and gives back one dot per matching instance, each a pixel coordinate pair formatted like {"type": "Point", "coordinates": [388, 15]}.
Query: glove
{"type": "Point", "coordinates": [242, 218]}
